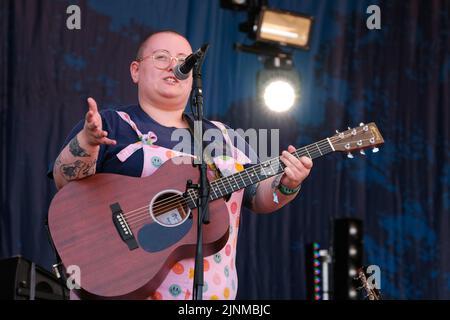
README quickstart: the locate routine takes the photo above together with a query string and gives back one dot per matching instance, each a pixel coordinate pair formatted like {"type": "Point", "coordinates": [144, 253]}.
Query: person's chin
{"type": "Point", "coordinates": [171, 94]}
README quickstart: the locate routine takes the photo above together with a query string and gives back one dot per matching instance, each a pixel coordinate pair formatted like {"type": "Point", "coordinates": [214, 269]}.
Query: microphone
{"type": "Point", "coordinates": [181, 71]}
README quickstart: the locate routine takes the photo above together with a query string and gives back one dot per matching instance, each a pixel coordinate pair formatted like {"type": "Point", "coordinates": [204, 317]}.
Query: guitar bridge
{"type": "Point", "coordinates": [122, 226]}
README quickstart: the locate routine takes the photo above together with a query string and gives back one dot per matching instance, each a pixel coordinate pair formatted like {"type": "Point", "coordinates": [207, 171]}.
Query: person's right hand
{"type": "Point", "coordinates": [92, 131]}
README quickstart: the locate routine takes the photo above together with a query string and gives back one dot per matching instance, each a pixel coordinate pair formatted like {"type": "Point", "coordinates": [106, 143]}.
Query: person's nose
{"type": "Point", "coordinates": [173, 63]}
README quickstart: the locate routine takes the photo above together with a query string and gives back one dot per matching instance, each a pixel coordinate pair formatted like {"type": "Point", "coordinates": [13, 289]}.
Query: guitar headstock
{"type": "Point", "coordinates": [358, 138]}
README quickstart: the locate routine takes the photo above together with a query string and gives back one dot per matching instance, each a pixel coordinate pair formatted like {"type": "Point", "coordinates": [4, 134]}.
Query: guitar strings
{"type": "Point", "coordinates": [128, 214]}
{"type": "Point", "coordinates": [180, 201]}
{"type": "Point", "coordinates": [136, 223]}
{"type": "Point", "coordinates": [164, 205]}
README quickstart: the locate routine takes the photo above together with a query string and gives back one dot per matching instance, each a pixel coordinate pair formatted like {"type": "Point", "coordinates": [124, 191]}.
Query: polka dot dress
{"type": "Point", "coordinates": [220, 277]}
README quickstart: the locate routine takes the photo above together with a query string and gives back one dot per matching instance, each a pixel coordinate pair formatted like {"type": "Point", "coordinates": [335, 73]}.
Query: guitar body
{"type": "Point", "coordinates": [81, 222]}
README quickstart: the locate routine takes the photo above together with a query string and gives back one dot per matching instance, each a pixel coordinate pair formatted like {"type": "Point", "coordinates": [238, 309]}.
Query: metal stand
{"type": "Point", "coordinates": [203, 186]}
{"type": "Point", "coordinates": [58, 268]}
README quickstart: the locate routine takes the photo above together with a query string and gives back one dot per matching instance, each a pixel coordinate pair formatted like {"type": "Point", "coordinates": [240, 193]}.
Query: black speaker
{"type": "Point", "coordinates": [21, 279]}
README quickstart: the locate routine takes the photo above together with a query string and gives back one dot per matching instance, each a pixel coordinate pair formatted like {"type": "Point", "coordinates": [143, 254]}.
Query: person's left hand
{"type": "Point", "coordinates": [296, 169]}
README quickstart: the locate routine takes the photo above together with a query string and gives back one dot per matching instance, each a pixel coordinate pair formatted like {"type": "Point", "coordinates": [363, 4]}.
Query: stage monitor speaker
{"type": "Point", "coordinates": [23, 280]}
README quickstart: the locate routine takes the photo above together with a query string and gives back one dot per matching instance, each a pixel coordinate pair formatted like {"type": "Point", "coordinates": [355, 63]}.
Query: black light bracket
{"type": "Point", "coordinates": [264, 50]}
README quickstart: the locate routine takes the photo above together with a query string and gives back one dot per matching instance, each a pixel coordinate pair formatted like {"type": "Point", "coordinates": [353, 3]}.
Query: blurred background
{"type": "Point", "coordinates": [397, 76]}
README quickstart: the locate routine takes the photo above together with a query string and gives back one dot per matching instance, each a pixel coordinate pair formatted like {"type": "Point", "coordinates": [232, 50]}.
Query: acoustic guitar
{"type": "Point", "coordinates": [126, 233]}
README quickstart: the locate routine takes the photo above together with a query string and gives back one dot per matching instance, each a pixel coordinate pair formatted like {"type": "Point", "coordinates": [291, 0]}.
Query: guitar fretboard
{"type": "Point", "coordinates": [258, 172]}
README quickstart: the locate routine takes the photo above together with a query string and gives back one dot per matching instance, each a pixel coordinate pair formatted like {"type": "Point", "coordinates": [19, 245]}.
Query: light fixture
{"type": "Point", "coordinates": [237, 5]}
{"type": "Point", "coordinates": [314, 278]}
{"type": "Point", "coordinates": [284, 27]}
{"type": "Point", "coordinates": [352, 230]}
{"type": "Point", "coordinates": [347, 257]}
{"type": "Point", "coordinates": [317, 272]}
{"type": "Point", "coordinates": [278, 84]}
{"type": "Point", "coordinates": [352, 272]}
{"type": "Point", "coordinates": [352, 251]}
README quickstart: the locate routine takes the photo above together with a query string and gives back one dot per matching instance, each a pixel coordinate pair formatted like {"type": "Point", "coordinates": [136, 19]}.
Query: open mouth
{"type": "Point", "coordinates": [171, 80]}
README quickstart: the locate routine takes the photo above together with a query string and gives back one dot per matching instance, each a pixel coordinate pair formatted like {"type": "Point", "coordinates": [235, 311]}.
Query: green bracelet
{"type": "Point", "coordinates": [288, 191]}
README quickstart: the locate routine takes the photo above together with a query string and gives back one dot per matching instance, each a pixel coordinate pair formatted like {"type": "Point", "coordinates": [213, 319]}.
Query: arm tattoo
{"type": "Point", "coordinates": [249, 195]}
{"type": "Point", "coordinates": [76, 150]}
{"type": "Point", "coordinates": [276, 182]}
{"type": "Point", "coordinates": [252, 191]}
{"type": "Point", "coordinates": [89, 168]}
{"type": "Point", "coordinates": [77, 170]}
{"type": "Point", "coordinates": [58, 161]}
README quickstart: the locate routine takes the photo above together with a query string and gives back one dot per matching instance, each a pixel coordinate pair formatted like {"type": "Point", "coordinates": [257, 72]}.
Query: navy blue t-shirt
{"type": "Point", "coordinates": [122, 132]}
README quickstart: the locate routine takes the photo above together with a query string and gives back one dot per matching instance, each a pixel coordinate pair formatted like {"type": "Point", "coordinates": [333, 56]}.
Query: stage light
{"type": "Point", "coordinates": [317, 275]}
{"type": "Point", "coordinates": [279, 96]}
{"type": "Point", "coordinates": [278, 84]}
{"type": "Point", "coordinates": [237, 5]}
{"type": "Point", "coordinates": [313, 276]}
{"type": "Point", "coordinates": [347, 257]}
{"type": "Point", "coordinates": [284, 27]}
{"type": "Point", "coordinates": [353, 230]}
{"type": "Point", "coordinates": [352, 251]}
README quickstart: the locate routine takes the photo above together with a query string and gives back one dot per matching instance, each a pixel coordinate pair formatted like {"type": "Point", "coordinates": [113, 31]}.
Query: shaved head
{"type": "Point", "coordinates": [144, 43]}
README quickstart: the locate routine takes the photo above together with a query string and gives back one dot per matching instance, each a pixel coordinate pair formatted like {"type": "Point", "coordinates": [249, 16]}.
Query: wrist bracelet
{"type": "Point", "coordinates": [288, 191]}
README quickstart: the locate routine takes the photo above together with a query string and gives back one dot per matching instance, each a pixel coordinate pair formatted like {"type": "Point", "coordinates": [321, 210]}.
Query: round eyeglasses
{"type": "Point", "coordinates": [162, 59]}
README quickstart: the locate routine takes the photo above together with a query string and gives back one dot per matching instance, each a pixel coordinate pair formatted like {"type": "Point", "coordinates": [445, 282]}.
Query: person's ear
{"type": "Point", "coordinates": [134, 71]}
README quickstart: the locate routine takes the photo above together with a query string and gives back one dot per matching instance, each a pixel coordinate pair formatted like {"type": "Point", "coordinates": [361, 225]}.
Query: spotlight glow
{"type": "Point", "coordinates": [353, 230]}
{"type": "Point", "coordinates": [352, 251]}
{"type": "Point", "coordinates": [352, 293]}
{"type": "Point", "coordinates": [279, 96]}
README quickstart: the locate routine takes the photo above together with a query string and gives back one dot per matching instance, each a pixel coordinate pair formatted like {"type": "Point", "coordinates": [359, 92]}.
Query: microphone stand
{"type": "Point", "coordinates": [203, 186]}
{"type": "Point", "coordinates": [58, 267]}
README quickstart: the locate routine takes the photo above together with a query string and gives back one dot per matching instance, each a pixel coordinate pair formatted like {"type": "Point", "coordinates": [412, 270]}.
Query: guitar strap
{"type": "Point", "coordinates": [207, 158]}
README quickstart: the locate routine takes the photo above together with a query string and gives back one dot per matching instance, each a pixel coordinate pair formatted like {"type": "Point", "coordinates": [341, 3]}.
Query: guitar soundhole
{"type": "Point", "coordinates": [169, 208]}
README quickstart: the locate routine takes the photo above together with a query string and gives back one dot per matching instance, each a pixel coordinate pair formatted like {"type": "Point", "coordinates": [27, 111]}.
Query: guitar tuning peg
{"type": "Point", "coordinates": [350, 156]}
{"type": "Point", "coordinates": [362, 152]}
{"type": "Point", "coordinates": [375, 150]}
{"type": "Point", "coordinates": [337, 131]}
{"type": "Point", "coordinates": [349, 128]}
{"type": "Point", "coordinates": [361, 124]}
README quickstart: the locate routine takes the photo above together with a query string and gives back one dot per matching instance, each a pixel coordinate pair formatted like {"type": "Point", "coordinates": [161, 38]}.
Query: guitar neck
{"type": "Point", "coordinates": [259, 172]}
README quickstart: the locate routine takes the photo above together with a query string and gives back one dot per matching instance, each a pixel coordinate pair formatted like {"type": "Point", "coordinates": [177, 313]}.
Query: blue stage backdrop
{"type": "Point", "coordinates": [397, 77]}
